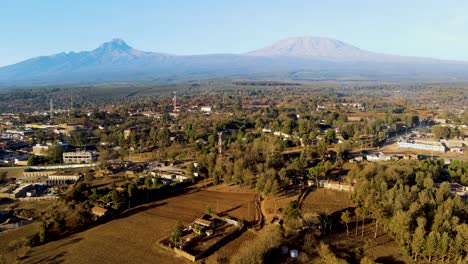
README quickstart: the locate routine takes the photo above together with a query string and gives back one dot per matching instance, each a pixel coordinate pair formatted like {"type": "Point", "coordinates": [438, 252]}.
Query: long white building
{"type": "Point", "coordinates": [429, 146]}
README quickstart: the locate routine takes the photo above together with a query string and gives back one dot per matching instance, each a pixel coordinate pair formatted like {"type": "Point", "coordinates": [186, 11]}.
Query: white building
{"type": "Point", "coordinates": [206, 109]}
{"type": "Point", "coordinates": [78, 157]}
{"type": "Point", "coordinates": [422, 145]}
{"type": "Point", "coordinates": [378, 157]}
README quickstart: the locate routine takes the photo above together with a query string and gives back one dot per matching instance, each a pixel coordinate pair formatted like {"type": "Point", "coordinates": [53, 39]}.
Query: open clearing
{"type": "Point", "coordinates": [133, 237]}
{"type": "Point", "coordinates": [330, 202]}
{"type": "Point", "coordinates": [326, 201]}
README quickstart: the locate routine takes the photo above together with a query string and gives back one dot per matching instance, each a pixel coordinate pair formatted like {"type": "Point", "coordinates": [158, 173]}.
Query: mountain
{"type": "Point", "coordinates": [312, 47]}
{"type": "Point", "coordinates": [305, 58]}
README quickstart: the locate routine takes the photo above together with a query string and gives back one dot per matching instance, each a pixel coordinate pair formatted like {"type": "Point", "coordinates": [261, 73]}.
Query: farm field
{"type": "Point", "coordinates": [133, 237]}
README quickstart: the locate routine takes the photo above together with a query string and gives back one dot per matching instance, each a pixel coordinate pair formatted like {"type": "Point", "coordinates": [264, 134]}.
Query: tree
{"type": "Point", "coordinates": [432, 244]}
{"type": "Point", "coordinates": [55, 152]}
{"type": "Point", "coordinates": [330, 136]}
{"type": "Point", "coordinates": [34, 160]}
{"type": "Point", "coordinates": [292, 213]}
{"type": "Point", "coordinates": [275, 188]}
{"type": "Point", "coordinates": [314, 173]}
{"type": "Point", "coordinates": [367, 260]}
{"type": "Point", "coordinates": [327, 256]}
{"type": "Point", "coordinates": [441, 131]}
{"type": "Point", "coordinates": [43, 232]}
{"type": "Point", "coordinates": [163, 137]}
{"type": "Point", "coordinates": [177, 233]}
{"type": "Point", "coordinates": [345, 217]}
{"type": "Point", "coordinates": [131, 190]}
{"type": "Point", "coordinates": [208, 210]}
{"type": "Point", "coordinates": [153, 136]}
{"type": "Point", "coordinates": [357, 213]}
{"type": "Point", "coordinates": [418, 241]}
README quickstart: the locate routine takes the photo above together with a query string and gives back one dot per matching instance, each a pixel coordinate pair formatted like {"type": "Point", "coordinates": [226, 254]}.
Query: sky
{"type": "Point", "coordinates": [427, 28]}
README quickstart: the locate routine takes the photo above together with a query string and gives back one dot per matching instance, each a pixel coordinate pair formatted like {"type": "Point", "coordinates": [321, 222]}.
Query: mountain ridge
{"type": "Point", "coordinates": [297, 57]}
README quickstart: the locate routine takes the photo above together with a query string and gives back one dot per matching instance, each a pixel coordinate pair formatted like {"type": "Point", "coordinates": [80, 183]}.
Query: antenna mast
{"type": "Point", "coordinates": [174, 99]}
{"type": "Point", "coordinates": [51, 109]}
{"type": "Point", "coordinates": [220, 143]}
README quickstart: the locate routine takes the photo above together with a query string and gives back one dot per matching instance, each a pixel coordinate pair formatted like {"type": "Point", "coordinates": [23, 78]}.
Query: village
{"type": "Point", "coordinates": [268, 163]}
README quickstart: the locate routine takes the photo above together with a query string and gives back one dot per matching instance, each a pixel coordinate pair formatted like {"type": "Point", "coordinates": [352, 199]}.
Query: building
{"type": "Point", "coordinates": [456, 188]}
{"type": "Point", "coordinates": [131, 130]}
{"type": "Point", "coordinates": [336, 185]}
{"type": "Point", "coordinates": [422, 145]}
{"type": "Point", "coordinates": [378, 157]}
{"type": "Point", "coordinates": [62, 179]}
{"type": "Point", "coordinates": [22, 190]}
{"type": "Point", "coordinates": [206, 109]}
{"type": "Point", "coordinates": [40, 150]}
{"type": "Point", "coordinates": [99, 211]}
{"type": "Point", "coordinates": [78, 157]}
{"type": "Point", "coordinates": [203, 221]}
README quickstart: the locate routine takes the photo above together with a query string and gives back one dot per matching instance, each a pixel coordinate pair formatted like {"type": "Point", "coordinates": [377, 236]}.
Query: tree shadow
{"type": "Point", "coordinates": [389, 260]}
{"type": "Point", "coordinates": [225, 212]}
{"type": "Point", "coordinates": [72, 241]}
{"type": "Point", "coordinates": [137, 209]}
{"type": "Point", "coordinates": [59, 258]}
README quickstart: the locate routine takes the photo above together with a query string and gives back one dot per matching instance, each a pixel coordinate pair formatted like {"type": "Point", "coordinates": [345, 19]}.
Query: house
{"type": "Point", "coordinates": [206, 109]}
{"type": "Point", "coordinates": [204, 222]}
{"type": "Point", "coordinates": [128, 131]}
{"type": "Point", "coordinates": [133, 170]}
{"type": "Point", "coordinates": [99, 211]}
{"type": "Point", "coordinates": [378, 157]}
{"type": "Point", "coordinates": [456, 188]}
{"type": "Point", "coordinates": [456, 150]}
{"type": "Point", "coordinates": [40, 150]}
{"type": "Point", "coordinates": [356, 159]}
{"type": "Point", "coordinates": [336, 185]}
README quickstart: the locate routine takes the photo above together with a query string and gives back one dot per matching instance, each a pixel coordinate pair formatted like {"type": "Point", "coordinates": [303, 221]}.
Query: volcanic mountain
{"type": "Point", "coordinates": [304, 58]}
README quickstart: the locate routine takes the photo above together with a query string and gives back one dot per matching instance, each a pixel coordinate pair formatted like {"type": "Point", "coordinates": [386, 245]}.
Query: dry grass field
{"type": "Point", "coordinates": [8, 237]}
{"type": "Point", "coordinates": [224, 254]}
{"type": "Point", "coordinates": [11, 172]}
{"type": "Point", "coordinates": [134, 236]}
{"type": "Point", "coordinates": [326, 201]}
{"type": "Point", "coordinates": [279, 203]}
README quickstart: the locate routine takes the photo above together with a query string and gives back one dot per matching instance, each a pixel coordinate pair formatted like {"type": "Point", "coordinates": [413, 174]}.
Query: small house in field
{"type": "Point", "coordinates": [99, 211]}
{"type": "Point", "coordinates": [203, 221]}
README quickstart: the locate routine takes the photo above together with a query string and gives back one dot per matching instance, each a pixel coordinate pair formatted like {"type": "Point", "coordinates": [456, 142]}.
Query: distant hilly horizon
{"type": "Point", "coordinates": [297, 58]}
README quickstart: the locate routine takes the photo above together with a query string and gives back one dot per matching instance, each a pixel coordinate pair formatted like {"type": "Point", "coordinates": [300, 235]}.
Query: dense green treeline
{"type": "Point", "coordinates": [429, 222]}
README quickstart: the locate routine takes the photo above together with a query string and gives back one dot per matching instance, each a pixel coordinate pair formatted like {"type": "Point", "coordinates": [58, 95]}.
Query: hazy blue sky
{"type": "Point", "coordinates": [431, 28]}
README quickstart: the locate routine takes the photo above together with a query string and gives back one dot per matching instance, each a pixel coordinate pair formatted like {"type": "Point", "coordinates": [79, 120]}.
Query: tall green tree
{"type": "Point", "coordinates": [345, 217]}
